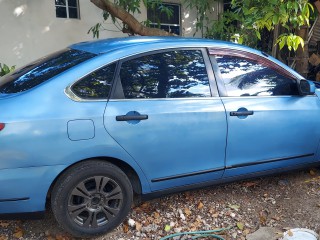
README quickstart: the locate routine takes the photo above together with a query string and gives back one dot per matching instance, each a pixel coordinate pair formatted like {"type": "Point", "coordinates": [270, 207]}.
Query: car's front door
{"type": "Point", "coordinates": [168, 117]}
{"type": "Point", "coordinates": [270, 125]}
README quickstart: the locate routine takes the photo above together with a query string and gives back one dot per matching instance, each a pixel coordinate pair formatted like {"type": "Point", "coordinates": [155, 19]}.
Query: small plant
{"type": "Point", "coordinates": [5, 69]}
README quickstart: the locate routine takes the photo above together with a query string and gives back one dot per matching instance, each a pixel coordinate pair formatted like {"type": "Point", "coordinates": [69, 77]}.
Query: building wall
{"type": "Point", "coordinates": [30, 29]}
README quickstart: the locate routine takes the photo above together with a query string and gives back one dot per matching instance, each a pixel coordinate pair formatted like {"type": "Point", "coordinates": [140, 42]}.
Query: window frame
{"type": "Point", "coordinates": [67, 9]}
{"type": "Point", "coordinates": [168, 24]}
{"type": "Point", "coordinates": [117, 91]}
{"type": "Point", "coordinates": [73, 96]}
{"type": "Point", "coordinates": [250, 56]}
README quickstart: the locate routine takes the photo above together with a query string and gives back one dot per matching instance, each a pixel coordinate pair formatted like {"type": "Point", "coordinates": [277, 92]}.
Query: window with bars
{"type": "Point", "coordinates": [67, 9]}
{"type": "Point", "coordinates": [161, 20]}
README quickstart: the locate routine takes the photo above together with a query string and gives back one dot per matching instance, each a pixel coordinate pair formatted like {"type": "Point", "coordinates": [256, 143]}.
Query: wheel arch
{"type": "Point", "coordinates": [125, 167]}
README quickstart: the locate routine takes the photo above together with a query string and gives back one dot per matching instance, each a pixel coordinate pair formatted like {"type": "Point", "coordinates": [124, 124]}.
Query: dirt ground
{"type": "Point", "coordinates": [284, 201]}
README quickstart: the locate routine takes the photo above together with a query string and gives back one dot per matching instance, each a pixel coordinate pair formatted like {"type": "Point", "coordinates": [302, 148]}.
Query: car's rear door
{"type": "Point", "coordinates": [168, 117]}
{"type": "Point", "coordinates": [270, 125]}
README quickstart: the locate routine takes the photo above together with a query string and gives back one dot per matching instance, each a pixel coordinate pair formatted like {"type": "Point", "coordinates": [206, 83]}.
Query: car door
{"type": "Point", "coordinates": [168, 117]}
{"type": "Point", "coordinates": [270, 125]}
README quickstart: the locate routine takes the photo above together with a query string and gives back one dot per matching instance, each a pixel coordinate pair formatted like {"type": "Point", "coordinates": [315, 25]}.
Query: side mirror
{"type": "Point", "coordinates": [306, 87]}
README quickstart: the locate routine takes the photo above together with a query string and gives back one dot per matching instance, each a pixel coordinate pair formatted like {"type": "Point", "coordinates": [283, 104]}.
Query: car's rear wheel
{"type": "Point", "coordinates": [91, 198]}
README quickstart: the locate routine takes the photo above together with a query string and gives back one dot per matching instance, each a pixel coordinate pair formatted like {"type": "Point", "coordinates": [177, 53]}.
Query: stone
{"type": "Point", "coordinates": [264, 233]}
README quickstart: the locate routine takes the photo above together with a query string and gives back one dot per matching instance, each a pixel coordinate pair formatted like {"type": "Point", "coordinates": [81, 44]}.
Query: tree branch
{"type": "Point", "coordinates": [133, 24]}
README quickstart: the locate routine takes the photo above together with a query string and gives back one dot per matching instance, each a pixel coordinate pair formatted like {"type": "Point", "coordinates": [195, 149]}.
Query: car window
{"type": "Point", "coordinates": [247, 77]}
{"type": "Point", "coordinates": [172, 74]}
{"type": "Point", "coordinates": [96, 85]}
{"type": "Point", "coordinates": [42, 70]}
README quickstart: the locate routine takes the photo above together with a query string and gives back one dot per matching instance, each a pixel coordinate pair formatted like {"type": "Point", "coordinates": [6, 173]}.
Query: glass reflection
{"type": "Point", "coordinates": [96, 85]}
{"type": "Point", "coordinates": [246, 77]}
{"type": "Point", "coordinates": [42, 70]}
{"type": "Point", "coordinates": [175, 74]}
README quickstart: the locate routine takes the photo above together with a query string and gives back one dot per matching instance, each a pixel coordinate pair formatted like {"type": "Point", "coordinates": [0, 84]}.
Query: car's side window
{"type": "Point", "coordinates": [172, 74]}
{"type": "Point", "coordinates": [247, 77]}
{"type": "Point", "coordinates": [96, 85]}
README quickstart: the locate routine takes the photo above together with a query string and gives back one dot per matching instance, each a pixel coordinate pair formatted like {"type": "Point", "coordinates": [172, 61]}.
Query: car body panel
{"type": "Point", "coordinates": [25, 189]}
{"type": "Point", "coordinates": [280, 127]}
{"type": "Point", "coordinates": [199, 125]}
{"type": "Point", "coordinates": [35, 145]}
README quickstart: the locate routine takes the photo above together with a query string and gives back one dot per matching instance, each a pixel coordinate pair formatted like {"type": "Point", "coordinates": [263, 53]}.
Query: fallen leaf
{"type": "Point", "coordinates": [200, 205]}
{"type": "Point", "coordinates": [138, 226]}
{"type": "Point", "coordinates": [276, 218]}
{"type": "Point", "coordinates": [2, 237]}
{"type": "Point", "coordinates": [125, 228]}
{"type": "Point", "coordinates": [156, 214]}
{"type": "Point", "coordinates": [313, 172]}
{"type": "Point", "coordinates": [290, 233]}
{"type": "Point", "coordinates": [240, 225]}
{"type": "Point", "coordinates": [18, 233]}
{"type": "Point", "coordinates": [249, 184]}
{"type": "Point", "coordinates": [187, 211]}
{"type": "Point", "coordinates": [4, 224]}
{"type": "Point", "coordinates": [167, 228]}
{"type": "Point", "coordinates": [234, 207]}
{"type": "Point", "coordinates": [61, 237]}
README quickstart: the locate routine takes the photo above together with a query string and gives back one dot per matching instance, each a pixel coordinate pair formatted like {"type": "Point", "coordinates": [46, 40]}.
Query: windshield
{"type": "Point", "coordinates": [42, 70]}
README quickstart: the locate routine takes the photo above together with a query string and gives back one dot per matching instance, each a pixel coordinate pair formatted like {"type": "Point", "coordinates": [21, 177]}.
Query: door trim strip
{"type": "Point", "coordinates": [268, 161]}
{"type": "Point", "coordinates": [229, 167]}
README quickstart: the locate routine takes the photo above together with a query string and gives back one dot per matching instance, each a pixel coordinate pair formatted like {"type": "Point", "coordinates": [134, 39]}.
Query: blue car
{"type": "Point", "coordinates": [92, 126]}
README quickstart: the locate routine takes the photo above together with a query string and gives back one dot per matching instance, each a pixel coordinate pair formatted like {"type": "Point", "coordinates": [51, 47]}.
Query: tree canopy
{"type": "Point", "coordinates": [252, 18]}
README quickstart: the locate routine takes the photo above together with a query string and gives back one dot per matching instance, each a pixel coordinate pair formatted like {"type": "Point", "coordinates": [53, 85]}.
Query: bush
{"type": "Point", "coordinates": [4, 69]}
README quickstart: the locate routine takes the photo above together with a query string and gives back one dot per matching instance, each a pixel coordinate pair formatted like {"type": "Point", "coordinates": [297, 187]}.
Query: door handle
{"type": "Point", "coordinates": [131, 117]}
{"type": "Point", "coordinates": [241, 113]}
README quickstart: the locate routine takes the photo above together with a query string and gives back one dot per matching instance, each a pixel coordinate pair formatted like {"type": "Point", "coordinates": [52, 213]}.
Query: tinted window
{"type": "Point", "coordinates": [42, 70]}
{"type": "Point", "coordinates": [247, 77]}
{"type": "Point", "coordinates": [174, 74]}
{"type": "Point", "coordinates": [96, 85]}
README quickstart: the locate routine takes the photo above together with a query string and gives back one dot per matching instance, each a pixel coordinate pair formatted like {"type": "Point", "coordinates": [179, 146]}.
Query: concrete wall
{"type": "Point", "coordinates": [29, 29]}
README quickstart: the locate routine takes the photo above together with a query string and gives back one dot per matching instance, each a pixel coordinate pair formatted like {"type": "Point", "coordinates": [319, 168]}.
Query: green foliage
{"type": "Point", "coordinates": [256, 15]}
{"type": "Point", "coordinates": [5, 69]}
{"type": "Point", "coordinates": [226, 28]}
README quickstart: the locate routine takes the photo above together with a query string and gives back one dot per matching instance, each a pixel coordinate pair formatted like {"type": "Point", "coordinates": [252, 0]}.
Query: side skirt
{"type": "Point", "coordinates": [169, 191]}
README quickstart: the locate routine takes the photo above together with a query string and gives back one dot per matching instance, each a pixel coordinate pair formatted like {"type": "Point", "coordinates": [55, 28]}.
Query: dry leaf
{"type": "Point", "coordinates": [187, 211]}
{"type": "Point", "coordinates": [125, 228]}
{"type": "Point", "coordinates": [290, 233]}
{"type": "Point", "coordinates": [156, 214]}
{"type": "Point", "coordinates": [313, 172]}
{"type": "Point", "coordinates": [62, 237]}
{"type": "Point", "coordinates": [138, 226]}
{"type": "Point", "coordinates": [2, 237]}
{"type": "Point", "coordinates": [200, 205]}
{"type": "Point", "coordinates": [18, 233]}
{"type": "Point", "coordinates": [240, 225]}
{"type": "Point", "coordinates": [4, 224]}
{"type": "Point", "coordinates": [249, 184]}
{"type": "Point", "coordinates": [276, 218]}
{"type": "Point", "coordinates": [234, 207]}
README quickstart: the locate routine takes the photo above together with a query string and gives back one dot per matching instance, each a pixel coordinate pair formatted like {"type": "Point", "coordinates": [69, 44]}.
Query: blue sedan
{"type": "Point", "coordinates": [92, 126]}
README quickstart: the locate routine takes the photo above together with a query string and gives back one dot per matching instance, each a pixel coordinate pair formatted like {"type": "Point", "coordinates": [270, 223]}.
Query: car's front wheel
{"type": "Point", "coordinates": [91, 198]}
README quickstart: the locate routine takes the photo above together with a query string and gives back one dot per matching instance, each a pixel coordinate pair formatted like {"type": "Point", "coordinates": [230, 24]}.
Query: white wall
{"type": "Point", "coordinates": [29, 29]}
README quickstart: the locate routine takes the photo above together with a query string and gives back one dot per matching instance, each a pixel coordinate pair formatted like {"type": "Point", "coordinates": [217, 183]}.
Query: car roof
{"type": "Point", "coordinates": [111, 44]}
{"type": "Point", "coordinates": [134, 45]}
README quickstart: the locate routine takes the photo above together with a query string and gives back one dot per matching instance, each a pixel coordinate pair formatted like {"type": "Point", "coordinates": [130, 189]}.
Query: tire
{"type": "Point", "coordinates": [91, 198]}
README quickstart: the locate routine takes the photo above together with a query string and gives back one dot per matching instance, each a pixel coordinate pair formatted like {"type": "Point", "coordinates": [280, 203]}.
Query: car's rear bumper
{"type": "Point", "coordinates": [24, 190]}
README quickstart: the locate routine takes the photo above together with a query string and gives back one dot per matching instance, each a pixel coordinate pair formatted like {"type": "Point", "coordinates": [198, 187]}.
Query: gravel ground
{"type": "Point", "coordinates": [284, 201]}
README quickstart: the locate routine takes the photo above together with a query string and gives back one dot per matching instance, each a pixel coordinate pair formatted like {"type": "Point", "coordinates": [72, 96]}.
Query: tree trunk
{"type": "Point", "coordinates": [133, 24]}
{"type": "Point", "coordinates": [302, 55]}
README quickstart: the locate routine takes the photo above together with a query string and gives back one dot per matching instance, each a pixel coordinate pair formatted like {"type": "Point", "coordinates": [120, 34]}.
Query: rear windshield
{"type": "Point", "coordinates": [42, 70]}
